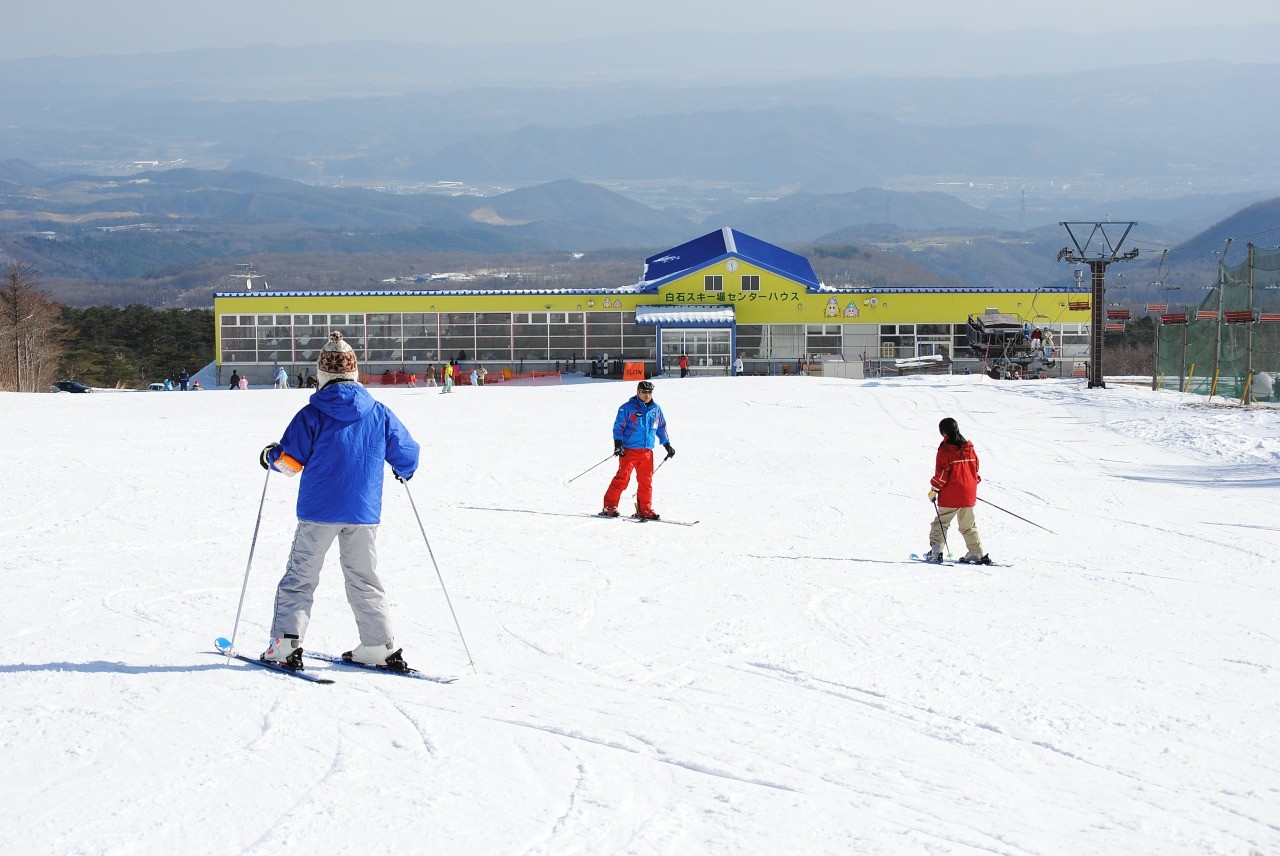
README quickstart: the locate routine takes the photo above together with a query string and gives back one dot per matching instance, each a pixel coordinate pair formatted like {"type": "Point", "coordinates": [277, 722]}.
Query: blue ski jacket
{"type": "Point", "coordinates": [638, 424]}
{"type": "Point", "coordinates": [341, 438]}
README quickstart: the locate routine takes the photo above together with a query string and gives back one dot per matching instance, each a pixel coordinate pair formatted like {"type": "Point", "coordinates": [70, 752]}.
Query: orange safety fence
{"type": "Point", "coordinates": [506, 376]}
{"type": "Point", "coordinates": [462, 378]}
{"type": "Point", "coordinates": [393, 378]}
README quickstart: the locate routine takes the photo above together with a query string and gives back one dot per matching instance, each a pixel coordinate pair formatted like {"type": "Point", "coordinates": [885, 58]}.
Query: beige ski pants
{"type": "Point", "coordinates": [968, 529]}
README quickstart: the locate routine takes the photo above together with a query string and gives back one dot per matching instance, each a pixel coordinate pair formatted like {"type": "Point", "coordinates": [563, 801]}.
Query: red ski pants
{"type": "Point", "coordinates": [640, 460]}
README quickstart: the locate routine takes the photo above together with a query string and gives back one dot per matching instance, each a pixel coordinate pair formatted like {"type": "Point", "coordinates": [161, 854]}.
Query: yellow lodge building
{"type": "Point", "coordinates": [718, 297]}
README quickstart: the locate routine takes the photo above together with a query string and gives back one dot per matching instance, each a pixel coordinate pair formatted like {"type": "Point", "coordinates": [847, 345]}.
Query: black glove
{"type": "Point", "coordinates": [265, 458]}
{"type": "Point", "coordinates": [400, 478]}
{"type": "Point", "coordinates": [617, 448]}
{"type": "Point", "coordinates": [671, 451]}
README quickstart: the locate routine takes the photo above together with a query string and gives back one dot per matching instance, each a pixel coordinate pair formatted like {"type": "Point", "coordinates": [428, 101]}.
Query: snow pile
{"type": "Point", "coordinates": [777, 679]}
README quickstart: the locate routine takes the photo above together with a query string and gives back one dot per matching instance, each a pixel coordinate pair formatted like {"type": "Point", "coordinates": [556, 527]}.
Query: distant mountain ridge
{"type": "Point", "coordinates": [572, 214]}
{"type": "Point", "coordinates": [813, 217]}
{"type": "Point", "coordinates": [160, 224]}
{"type": "Point", "coordinates": [1147, 126]}
{"type": "Point", "coordinates": [1259, 222]}
{"type": "Point", "coordinates": [365, 68]}
{"type": "Point", "coordinates": [776, 144]}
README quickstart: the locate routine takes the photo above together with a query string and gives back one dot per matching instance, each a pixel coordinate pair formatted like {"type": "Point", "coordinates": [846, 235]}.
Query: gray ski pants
{"type": "Point", "coordinates": [359, 566]}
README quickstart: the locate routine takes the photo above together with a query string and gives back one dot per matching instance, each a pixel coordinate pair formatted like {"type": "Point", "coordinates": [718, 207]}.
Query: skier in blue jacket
{"type": "Point", "coordinates": [338, 442]}
{"type": "Point", "coordinates": [638, 424]}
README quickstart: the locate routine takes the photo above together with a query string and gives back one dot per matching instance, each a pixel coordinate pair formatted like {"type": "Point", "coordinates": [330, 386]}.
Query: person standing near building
{"type": "Point", "coordinates": [953, 490]}
{"type": "Point", "coordinates": [282, 378]}
{"type": "Point", "coordinates": [639, 423]}
{"type": "Point", "coordinates": [483, 374]}
{"type": "Point", "coordinates": [338, 442]}
{"type": "Point", "coordinates": [448, 378]}
{"type": "Point", "coordinates": [737, 365]}
{"type": "Point", "coordinates": [244, 382]}
{"type": "Point", "coordinates": [684, 365]}
{"type": "Point", "coordinates": [183, 380]}
{"type": "Point", "coordinates": [235, 380]}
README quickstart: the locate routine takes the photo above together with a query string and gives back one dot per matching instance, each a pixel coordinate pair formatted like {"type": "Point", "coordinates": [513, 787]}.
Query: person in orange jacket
{"type": "Point", "coordinates": [953, 490]}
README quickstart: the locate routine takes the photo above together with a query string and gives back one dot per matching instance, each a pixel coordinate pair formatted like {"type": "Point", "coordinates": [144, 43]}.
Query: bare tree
{"type": "Point", "coordinates": [30, 335]}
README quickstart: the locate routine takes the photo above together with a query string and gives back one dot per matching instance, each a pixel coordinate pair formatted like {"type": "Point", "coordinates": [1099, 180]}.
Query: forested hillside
{"type": "Point", "coordinates": [132, 346]}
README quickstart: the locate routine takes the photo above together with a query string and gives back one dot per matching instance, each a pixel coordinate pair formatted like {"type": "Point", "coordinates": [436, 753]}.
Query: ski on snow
{"type": "Point", "coordinates": [583, 514]}
{"type": "Point", "coordinates": [407, 673]}
{"type": "Point", "coordinates": [223, 647]}
{"type": "Point", "coordinates": [634, 519]}
{"type": "Point", "coordinates": [916, 557]}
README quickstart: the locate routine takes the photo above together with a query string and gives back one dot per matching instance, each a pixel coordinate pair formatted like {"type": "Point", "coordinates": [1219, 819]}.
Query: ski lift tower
{"type": "Point", "coordinates": [1107, 252]}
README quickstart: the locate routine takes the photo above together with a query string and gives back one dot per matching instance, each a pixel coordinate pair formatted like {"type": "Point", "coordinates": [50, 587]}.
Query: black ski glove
{"type": "Point", "coordinates": [617, 448]}
{"type": "Point", "coordinates": [265, 457]}
{"type": "Point", "coordinates": [400, 478]}
{"type": "Point", "coordinates": [671, 451]}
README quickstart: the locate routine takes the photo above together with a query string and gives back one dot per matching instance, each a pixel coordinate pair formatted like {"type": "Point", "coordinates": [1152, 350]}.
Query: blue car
{"type": "Point", "coordinates": [71, 386]}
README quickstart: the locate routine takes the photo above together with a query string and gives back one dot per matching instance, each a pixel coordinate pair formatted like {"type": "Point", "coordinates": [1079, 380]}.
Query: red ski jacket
{"type": "Point", "coordinates": [955, 476]}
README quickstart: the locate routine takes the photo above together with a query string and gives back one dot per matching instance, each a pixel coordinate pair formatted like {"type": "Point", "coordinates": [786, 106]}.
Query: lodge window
{"type": "Point", "coordinates": [713, 283]}
{"type": "Point", "coordinates": [751, 282]}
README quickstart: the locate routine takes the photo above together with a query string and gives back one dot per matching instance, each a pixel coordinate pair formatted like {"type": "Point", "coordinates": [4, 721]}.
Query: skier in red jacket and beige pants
{"type": "Point", "coordinates": [954, 492]}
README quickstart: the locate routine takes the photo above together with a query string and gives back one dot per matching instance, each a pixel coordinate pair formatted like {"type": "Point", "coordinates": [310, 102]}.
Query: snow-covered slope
{"type": "Point", "coordinates": [777, 679]}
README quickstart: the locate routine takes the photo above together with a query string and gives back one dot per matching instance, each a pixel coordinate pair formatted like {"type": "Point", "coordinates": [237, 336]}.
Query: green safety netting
{"type": "Point", "coordinates": [1219, 350]}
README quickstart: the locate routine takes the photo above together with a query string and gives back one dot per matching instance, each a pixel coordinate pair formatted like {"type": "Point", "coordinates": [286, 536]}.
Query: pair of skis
{"type": "Point", "coordinates": [916, 557]}
{"type": "Point", "coordinates": [223, 647]}
{"type": "Point", "coordinates": [635, 518]}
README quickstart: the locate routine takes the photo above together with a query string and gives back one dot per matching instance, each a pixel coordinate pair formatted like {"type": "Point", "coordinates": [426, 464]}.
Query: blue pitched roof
{"type": "Point", "coordinates": [721, 244]}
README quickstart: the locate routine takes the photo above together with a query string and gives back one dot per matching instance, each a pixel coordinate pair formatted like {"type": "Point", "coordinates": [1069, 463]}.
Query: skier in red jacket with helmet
{"type": "Point", "coordinates": [953, 490]}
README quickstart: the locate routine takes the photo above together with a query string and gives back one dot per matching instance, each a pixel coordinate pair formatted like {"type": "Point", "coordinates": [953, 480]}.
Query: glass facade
{"type": "Point", "coordinates": [493, 336]}
{"type": "Point", "coordinates": [392, 339]}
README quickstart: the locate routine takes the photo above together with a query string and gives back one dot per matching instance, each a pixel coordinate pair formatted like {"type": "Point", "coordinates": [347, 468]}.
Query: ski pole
{"type": "Point", "coordinates": [587, 470]}
{"type": "Point", "coordinates": [440, 576]}
{"type": "Point", "coordinates": [1011, 514]}
{"type": "Point", "coordinates": [937, 511]}
{"type": "Point", "coordinates": [249, 564]}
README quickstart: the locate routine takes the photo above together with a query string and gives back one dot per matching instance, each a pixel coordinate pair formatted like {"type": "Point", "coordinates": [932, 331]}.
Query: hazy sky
{"type": "Point", "coordinates": [87, 27]}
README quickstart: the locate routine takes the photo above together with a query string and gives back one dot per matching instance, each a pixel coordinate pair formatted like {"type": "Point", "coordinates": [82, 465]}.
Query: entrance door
{"type": "Point", "coordinates": [708, 350]}
{"type": "Point", "coordinates": [930, 347]}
